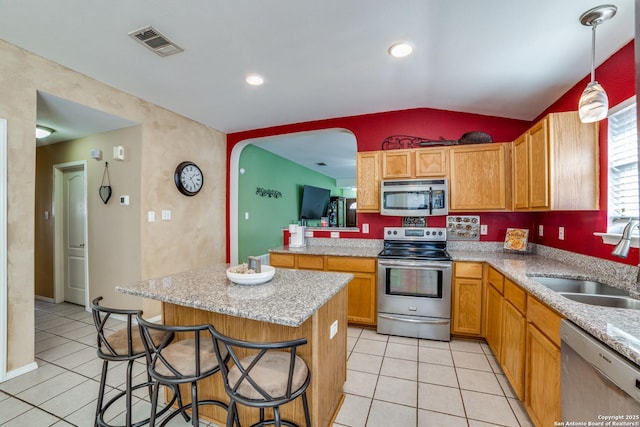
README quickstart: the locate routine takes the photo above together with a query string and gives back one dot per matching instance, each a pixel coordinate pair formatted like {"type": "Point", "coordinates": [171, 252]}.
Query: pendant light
{"type": "Point", "coordinates": [594, 104]}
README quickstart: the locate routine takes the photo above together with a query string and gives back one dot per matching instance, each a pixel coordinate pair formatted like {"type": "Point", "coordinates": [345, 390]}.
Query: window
{"type": "Point", "coordinates": [623, 165]}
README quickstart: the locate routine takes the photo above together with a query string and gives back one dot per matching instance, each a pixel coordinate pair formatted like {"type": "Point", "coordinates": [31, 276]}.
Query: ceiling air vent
{"type": "Point", "coordinates": [156, 41]}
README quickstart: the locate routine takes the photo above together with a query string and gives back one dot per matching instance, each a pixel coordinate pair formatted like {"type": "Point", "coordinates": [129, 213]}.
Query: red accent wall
{"type": "Point", "coordinates": [617, 77]}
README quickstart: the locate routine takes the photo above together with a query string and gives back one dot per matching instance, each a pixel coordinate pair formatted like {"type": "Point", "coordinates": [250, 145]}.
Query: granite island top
{"type": "Point", "coordinates": [290, 298]}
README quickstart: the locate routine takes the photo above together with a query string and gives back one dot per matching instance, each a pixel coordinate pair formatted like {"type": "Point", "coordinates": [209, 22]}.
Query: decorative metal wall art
{"type": "Point", "coordinates": [105, 188]}
{"type": "Point", "coordinates": [263, 192]}
{"type": "Point", "coordinates": [395, 142]}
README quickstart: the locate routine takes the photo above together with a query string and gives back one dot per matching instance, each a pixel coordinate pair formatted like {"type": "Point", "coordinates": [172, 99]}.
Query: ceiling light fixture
{"type": "Point", "coordinates": [400, 50]}
{"type": "Point", "coordinates": [594, 104]}
{"type": "Point", "coordinates": [254, 80]}
{"type": "Point", "coordinates": [43, 132]}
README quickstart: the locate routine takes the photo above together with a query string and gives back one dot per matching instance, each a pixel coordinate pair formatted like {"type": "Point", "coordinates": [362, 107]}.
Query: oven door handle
{"type": "Point", "coordinates": [420, 264]}
{"type": "Point", "coordinates": [420, 321]}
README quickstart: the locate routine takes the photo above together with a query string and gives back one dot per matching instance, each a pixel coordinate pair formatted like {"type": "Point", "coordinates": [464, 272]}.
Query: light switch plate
{"type": "Point", "coordinates": [166, 215]}
{"type": "Point", "coordinates": [333, 330]}
{"type": "Point", "coordinates": [151, 216]}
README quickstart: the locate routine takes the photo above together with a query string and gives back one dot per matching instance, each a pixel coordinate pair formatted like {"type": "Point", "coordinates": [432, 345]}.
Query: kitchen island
{"type": "Point", "coordinates": [294, 304]}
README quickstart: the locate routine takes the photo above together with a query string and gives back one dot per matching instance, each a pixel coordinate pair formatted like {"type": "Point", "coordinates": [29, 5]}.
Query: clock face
{"type": "Point", "coordinates": [188, 178]}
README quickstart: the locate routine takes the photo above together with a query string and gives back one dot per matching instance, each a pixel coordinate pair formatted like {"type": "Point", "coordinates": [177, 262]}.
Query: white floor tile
{"type": "Point", "coordinates": [354, 332]}
{"type": "Point", "coordinates": [385, 414]}
{"type": "Point", "coordinates": [371, 334]}
{"type": "Point", "coordinates": [435, 355]}
{"type": "Point", "coordinates": [439, 398]}
{"type": "Point", "coordinates": [397, 390]}
{"type": "Point", "coordinates": [489, 408]}
{"type": "Point", "coordinates": [444, 345]}
{"type": "Point", "coordinates": [403, 340]}
{"type": "Point", "coordinates": [30, 379]}
{"type": "Point", "coordinates": [470, 346]}
{"type": "Point", "coordinates": [485, 382]}
{"type": "Point", "coordinates": [56, 353]}
{"type": "Point", "coordinates": [437, 419]}
{"type": "Point", "coordinates": [52, 387]}
{"type": "Point", "coordinates": [73, 399]}
{"type": "Point", "coordinates": [402, 351]}
{"type": "Point", "coordinates": [80, 357]}
{"type": "Point", "coordinates": [33, 417]}
{"type": "Point", "coordinates": [11, 408]}
{"type": "Point", "coordinates": [376, 348]}
{"type": "Point", "coordinates": [399, 368]}
{"type": "Point", "coordinates": [476, 361]}
{"type": "Point", "coordinates": [520, 412]}
{"type": "Point", "coordinates": [354, 411]}
{"type": "Point", "coordinates": [364, 363]}
{"type": "Point", "coordinates": [360, 383]}
{"type": "Point", "coordinates": [437, 374]}
{"type": "Point", "coordinates": [506, 387]}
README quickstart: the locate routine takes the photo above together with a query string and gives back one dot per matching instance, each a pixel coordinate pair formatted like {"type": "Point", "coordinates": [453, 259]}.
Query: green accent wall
{"type": "Point", "coordinates": [268, 215]}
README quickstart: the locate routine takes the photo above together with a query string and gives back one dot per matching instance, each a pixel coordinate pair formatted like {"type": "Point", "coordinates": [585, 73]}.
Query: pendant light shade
{"type": "Point", "coordinates": [594, 103]}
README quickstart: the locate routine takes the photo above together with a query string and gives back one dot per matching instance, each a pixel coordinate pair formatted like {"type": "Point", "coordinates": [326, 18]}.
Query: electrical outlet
{"type": "Point", "coordinates": [541, 230]}
{"type": "Point", "coordinates": [561, 233]}
{"type": "Point", "coordinates": [335, 234]}
{"type": "Point", "coordinates": [365, 228]}
{"type": "Point", "coordinates": [151, 216]}
{"type": "Point", "coordinates": [484, 229]}
{"type": "Point", "coordinates": [333, 330]}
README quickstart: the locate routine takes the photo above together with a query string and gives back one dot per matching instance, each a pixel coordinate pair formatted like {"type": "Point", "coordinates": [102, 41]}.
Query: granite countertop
{"type": "Point", "coordinates": [289, 299]}
{"type": "Point", "coordinates": [619, 328]}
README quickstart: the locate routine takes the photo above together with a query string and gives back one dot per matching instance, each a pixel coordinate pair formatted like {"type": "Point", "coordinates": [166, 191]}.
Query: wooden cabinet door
{"type": "Point", "coordinates": [538, 142]}
{"type": "Point", "coordinates": [362, 299]}
{"type": "Point", "coordinates": [478, 178]}
{"type": "Point", "coordinates": [397, 164]}
{"type": "Point", "coordinates": [542, 396]}
{"type": "Point", "coordinates": [368, 181]}
{"type": "Point", "coordinates": [514, 327]}
{"type": "Point", "coordinates": [493, 326]}
{"type": "Point", "coordinates": [431, 162]}
{"type": "Point", "coordinates": [521, 173]}
{"type": "Point", "coordinates": [282, 260]}
{"type": "Point", "coordinates": [467, 306]}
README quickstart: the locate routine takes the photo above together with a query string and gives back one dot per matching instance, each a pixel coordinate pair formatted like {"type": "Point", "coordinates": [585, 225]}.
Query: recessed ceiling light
{"type": "Point", "coordinates": [400, 50]}
{"type": "Point", "coordinates": [254, 80]}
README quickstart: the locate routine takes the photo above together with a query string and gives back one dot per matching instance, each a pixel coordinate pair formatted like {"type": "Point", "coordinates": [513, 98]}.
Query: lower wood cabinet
{"type": "Point", "coordinates": [362, 295]}
{"type": "Point", "coordinates": [493, 315]}
{"type": "Point", "coordinates": [467, 292]}
{"type": "Point", "coordinates": [512, 356]}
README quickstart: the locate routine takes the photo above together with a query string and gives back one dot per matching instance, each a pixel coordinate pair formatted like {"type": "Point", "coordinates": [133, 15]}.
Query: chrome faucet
{"type": "Point", "coordinates": [622, 248]}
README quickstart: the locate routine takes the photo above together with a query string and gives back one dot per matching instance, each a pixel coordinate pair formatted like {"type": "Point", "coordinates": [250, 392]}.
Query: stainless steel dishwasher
{"type": "Point", "coordinates": [599, 386]}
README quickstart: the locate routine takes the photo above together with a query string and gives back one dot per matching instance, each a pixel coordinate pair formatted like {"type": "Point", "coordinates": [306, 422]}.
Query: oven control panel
{"type": "Point", "coordinates": [436, 234]}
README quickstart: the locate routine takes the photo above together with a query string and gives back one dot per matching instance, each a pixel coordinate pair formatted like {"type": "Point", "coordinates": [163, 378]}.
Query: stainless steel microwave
{"type": "Point", "coordinates": [414, 197]}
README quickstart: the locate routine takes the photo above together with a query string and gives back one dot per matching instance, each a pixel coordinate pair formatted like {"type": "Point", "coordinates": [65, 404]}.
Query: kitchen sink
{"type": "Point", "coordinates": [604, 300]}
{"type": "Point", "coordinates": [578, 286]}
{"type": "Point", "coordinates": [589, 292]}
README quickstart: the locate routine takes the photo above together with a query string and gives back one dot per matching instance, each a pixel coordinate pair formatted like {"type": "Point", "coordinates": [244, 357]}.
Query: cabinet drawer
{"type": "Point", "coordinates": [515, 295]}
{"type": "Point", "coordinates": [469, 269]}
{"type": "Point", "coordinates": [545, 319]}
{"type": "Point", "coordinates": [351, 264]}
{"type": "Point", "coordinates": [282, 260]}
{"type": "Point", "coordinates": [496, 279]}
{"type": "Point", "coordinates": [311, 262]}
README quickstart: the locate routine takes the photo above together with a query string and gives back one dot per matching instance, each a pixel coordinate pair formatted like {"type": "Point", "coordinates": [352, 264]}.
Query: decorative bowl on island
{"type": "Point", "coordinates": [248, 277]}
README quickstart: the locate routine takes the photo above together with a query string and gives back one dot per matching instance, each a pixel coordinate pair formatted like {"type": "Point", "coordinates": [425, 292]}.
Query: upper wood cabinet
{"type": "Point", "coordinates": [415, 163]}
{"type": "Point", "coordinates": [397, 164]}
{"type": "Point", "coordinates": [479, 177]}
{"type": "Point", "coordinates": [368, 181]}
{"type": "Point", "coordinates": [555, 165]}
{"type": "Point", "coordinates": [431, 162]}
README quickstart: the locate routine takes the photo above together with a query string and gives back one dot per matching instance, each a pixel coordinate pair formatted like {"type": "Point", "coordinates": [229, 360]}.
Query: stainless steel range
{"type": "Point", "coordinates": [414, 283]}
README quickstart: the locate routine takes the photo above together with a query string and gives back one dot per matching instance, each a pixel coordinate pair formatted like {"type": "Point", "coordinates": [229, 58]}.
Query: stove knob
{"type": "Point", "coordinates": [428, 233]}
{"type": "Point", "coordinates": [395, 232]}
{"type": "Point", "coordinates": [439, 233]}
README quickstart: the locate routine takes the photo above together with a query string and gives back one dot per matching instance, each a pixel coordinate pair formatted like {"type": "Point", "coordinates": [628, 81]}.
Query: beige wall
{"type": "Point", "coordinates": [114, 256]}
{"type": "Point", "coordinates": [194, 237]}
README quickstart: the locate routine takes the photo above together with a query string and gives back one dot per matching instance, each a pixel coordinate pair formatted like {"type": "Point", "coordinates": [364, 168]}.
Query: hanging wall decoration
{"type": "Point", "coordinates": [105, 188]}
{"type": "Point", "coordinates": [268, 193]}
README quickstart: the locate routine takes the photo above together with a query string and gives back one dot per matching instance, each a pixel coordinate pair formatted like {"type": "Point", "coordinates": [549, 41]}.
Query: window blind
{"type": "Point", "coordinates": [623, 164]}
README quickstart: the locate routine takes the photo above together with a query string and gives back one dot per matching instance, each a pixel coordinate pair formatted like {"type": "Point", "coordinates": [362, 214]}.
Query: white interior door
{"type": "Point", "coordinates": [74, 219]}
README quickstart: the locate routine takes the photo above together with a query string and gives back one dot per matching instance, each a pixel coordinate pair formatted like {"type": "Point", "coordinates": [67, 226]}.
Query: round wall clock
{"type": "Point", "coordinates": [188, 178]}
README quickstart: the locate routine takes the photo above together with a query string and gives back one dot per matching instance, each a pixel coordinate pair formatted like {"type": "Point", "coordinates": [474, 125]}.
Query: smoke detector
{"type": "Point", "coordinates": [155, 41]}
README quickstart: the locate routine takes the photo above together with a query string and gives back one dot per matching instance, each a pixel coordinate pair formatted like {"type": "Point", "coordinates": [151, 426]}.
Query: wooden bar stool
{"type": "Point", "coordinates": [186, 361]}
{"type": "Point", "coordinates": [270, 377]}
{"type": "Point", "coordinates": [123, 345]}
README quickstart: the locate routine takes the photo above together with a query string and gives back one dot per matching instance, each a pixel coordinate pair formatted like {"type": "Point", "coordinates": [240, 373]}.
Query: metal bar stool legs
{"type": "Point", "coordinates": [124, 345]}
{"type": "Point", "coordinates": [184, 361]}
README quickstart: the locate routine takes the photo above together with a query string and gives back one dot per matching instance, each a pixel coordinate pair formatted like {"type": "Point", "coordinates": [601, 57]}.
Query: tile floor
{"type": "Point", "coordinates": [391, 381]}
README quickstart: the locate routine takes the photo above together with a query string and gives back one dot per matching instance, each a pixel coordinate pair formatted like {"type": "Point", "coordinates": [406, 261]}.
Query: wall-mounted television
{"type": "Point", "coordinates": [314, 202]}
